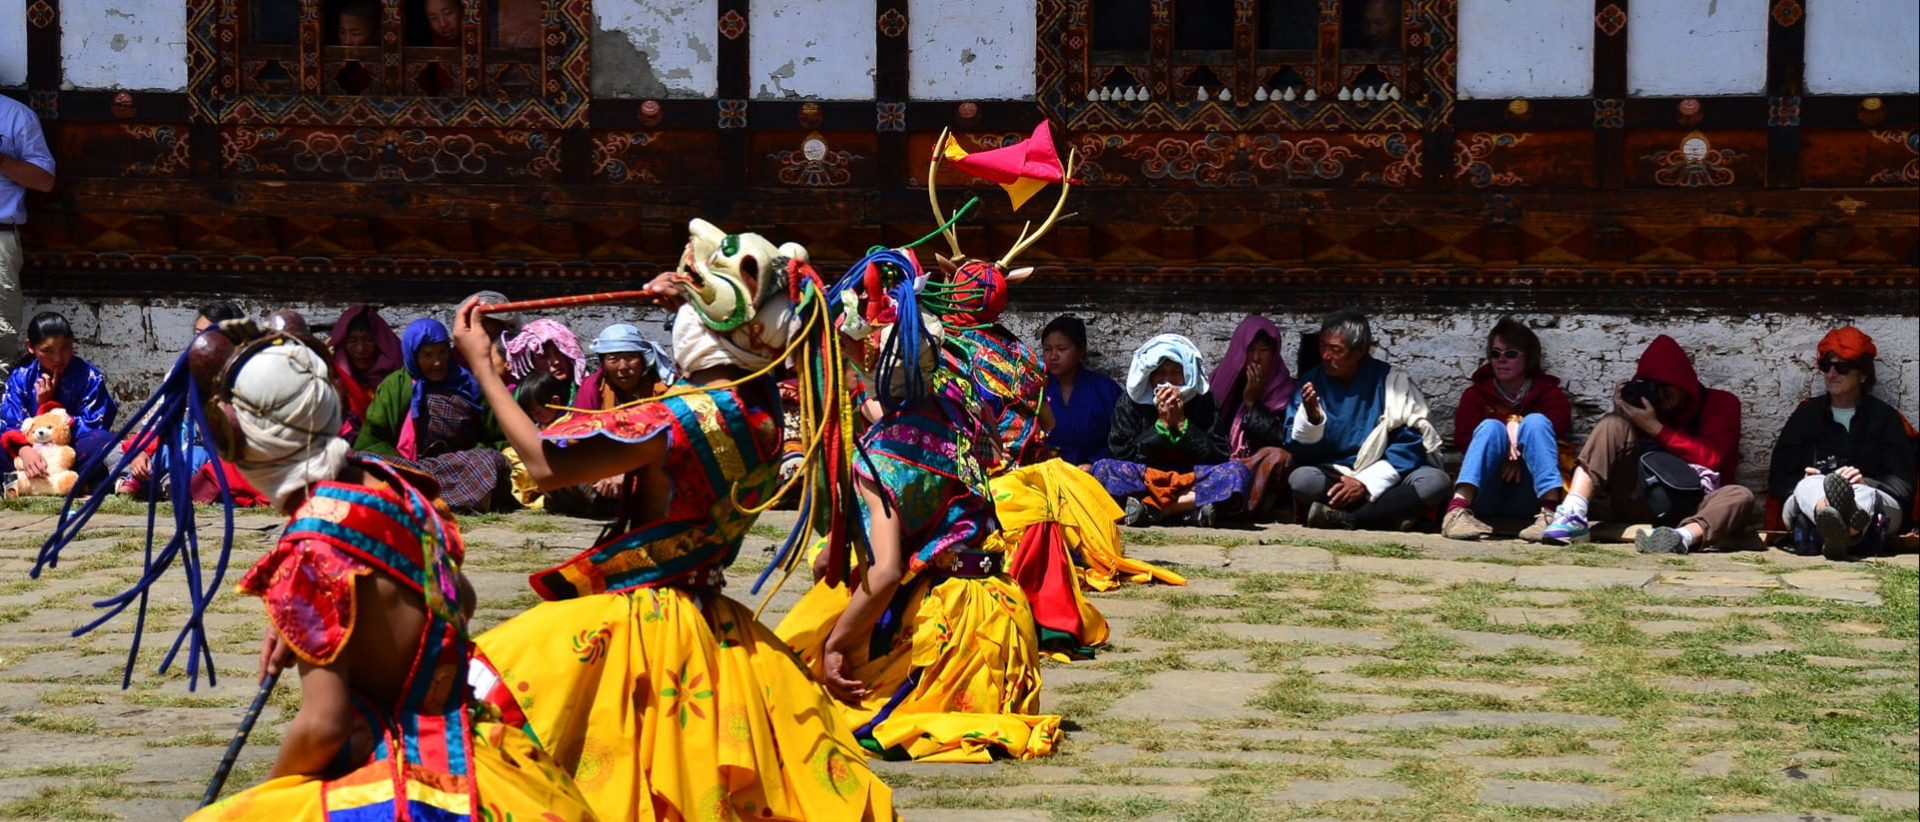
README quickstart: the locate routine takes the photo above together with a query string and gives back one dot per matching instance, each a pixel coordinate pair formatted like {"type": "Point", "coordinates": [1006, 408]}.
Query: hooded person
{"type": "Point", "coordinates": [365, 352]}
{"type": "Point", "coordinates": [1667, 454]}
{"type": "Point", "coordinates": [662, 695]}
{"type": "Point", "coordinates": [363, 592]}
{"type": "Point", "coordinates": [1843, 466]}
{"type": "Point", "coordinates": [430, 416]}
{"type": "Point", "coordinates": [1169, 452]}
{"type": "Point", "coordinates": [632, 368]}
{"type": "Point", "coordinates": [1252, 387]}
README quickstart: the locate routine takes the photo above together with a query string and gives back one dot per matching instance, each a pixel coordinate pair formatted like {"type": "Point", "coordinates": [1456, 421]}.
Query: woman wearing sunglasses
{"type": "Point", "coordinates": [1509, 422]}
{"type": "Point", "coordinates": [1843, 464]}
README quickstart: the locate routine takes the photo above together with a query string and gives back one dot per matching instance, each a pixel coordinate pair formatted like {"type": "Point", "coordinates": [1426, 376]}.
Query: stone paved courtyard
{"type": "Point", "coordinates": [1300, 675]}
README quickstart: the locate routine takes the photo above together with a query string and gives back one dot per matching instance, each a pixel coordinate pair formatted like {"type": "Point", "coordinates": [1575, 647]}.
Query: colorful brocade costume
{"type": "Point", "coordinates": [429, 757]}
{"type": "Point", "coordinates": [952, 667]}
{"type": "Point", "coordinates": [663, 698]}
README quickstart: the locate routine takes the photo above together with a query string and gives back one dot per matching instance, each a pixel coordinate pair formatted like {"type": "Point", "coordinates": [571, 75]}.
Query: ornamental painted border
{"type": "Point", "coordinates": [1063, 71]}
{"type": "Point", "coordinates": [213, 57]}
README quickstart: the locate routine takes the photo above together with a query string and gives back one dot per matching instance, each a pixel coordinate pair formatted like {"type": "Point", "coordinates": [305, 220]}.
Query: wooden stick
{"type": "Point", "coordinates": [648, 297]}
{"type": "Point", "coordinates": [239, 740]}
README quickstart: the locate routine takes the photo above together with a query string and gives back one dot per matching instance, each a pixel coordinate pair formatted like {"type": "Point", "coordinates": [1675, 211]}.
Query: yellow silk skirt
{"type": "Point", "coordinates": [964, 665]}
{"type": "Point", "coordinates": [1059, 492]}
{"type": "Point", "coordinates": [667, 706]}
{"type": "Point", "coordinates": [515, 780]}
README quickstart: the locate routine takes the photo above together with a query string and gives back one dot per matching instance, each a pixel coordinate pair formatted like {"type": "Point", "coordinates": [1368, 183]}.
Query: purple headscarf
{"type": "Point", "coordinates": [1228, 387]}
{"type": "Point", "coordinates": [388, 359]}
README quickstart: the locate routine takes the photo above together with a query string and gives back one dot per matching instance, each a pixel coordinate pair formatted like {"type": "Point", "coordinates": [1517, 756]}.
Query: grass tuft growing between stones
{"type": "Point", "coordinates": [57, 723]}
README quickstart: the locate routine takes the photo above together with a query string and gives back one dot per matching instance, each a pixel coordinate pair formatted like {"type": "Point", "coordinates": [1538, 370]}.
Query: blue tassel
{"type": "Point", "coordinates": [175, 409]}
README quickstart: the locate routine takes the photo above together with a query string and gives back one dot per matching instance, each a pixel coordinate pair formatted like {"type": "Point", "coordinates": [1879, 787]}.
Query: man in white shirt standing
{"type": "Point", "coordinates": [24, 163]}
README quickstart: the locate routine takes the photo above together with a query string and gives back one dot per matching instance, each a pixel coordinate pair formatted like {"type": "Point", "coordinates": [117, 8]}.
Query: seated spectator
{"type": "Point", "coordinates": [1080, 399]}
{"type": "Point", "coordinates": [1509, 422]}
{"type": "Point", "coordinates": [547, 345]}
{"type": "Point", "coordinates": [632, 368]}
{"type": "Point", "coordinates": [1843, 464]}
{"type": "Point", "coordinates": [49, 372]}
{"type": "Point", "coordinates": [430, 417]}
{"type": "Point", "coordinates": [1669, 429]}
{"type": "Point", "coordinates": [500, 328]}
{"type": "Point", "coordinates": [1364, 451]}
{"type": "Point", "coordinates": [365, 352]}
{"type": "Point", "coordinates": [358, 24]}
{"type": "Point", "coordinates": [1252, 387]}
{"type": "Point", "coordinates": [1169, 457]}
{"type": "Point", "coordinates": [137, 481]}
{"type": "Point", "coordinates": [537, 395]}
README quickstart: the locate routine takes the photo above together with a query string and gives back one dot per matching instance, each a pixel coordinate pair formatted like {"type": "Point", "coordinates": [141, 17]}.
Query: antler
{"type": "Point", "coordinates": [1021, 244]}
{"type": "Point", "coordinates": [933, 197]}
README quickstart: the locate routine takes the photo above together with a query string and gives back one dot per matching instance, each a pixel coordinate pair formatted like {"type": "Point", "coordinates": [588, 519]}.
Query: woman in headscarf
{"type": "Point", "coordinates": [1843, 466]}
{"type": "Point", "coordinates": [1079, 398]}
{"type": "Point", "coordinates": [1169, 456]}
{"type": "Point", "coordinates": [632, 368]}
{"type": "Point", "coordinates": [365, 352]}
{"type": "Point", "coordinates": [549, 346]}
{"type": "Point", "coordinates": [430, 416]}
{"type": "Point", "coordinates": [1252, 386]}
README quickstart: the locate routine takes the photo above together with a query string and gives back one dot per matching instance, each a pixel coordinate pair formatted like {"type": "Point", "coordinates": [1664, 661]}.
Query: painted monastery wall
{"type": "Point", "coordinates": [1764, 359]}
{"type": "Point", "coordinates": [984, 49]}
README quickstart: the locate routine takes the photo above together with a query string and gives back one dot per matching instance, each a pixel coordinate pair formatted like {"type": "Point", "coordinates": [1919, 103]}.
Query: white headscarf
{"type": "Point", "coordinates": [289, 415]}
{"type": "Point", "coordinates": [1157, 350]}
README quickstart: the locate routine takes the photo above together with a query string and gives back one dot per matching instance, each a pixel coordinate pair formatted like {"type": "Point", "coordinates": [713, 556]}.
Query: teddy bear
{"type": "Point", "coordinates": [51, 434]}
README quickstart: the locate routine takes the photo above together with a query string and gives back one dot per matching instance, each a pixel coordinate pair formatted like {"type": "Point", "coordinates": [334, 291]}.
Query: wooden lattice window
{"type": "Point", "coordinates": [1247, 64]}
{"type": "Point", "coordinates": [389, 62]}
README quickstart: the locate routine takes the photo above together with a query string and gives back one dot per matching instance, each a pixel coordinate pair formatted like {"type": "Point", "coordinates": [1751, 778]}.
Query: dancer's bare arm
{"type": "Point", "coordinates": [550, 466]}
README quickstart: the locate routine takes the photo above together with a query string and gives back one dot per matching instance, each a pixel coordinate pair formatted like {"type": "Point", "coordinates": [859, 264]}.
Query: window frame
{"type": "Point", "coordinates": [1069, 66]}
{"type": "Point", "coordinates": [222, 61]}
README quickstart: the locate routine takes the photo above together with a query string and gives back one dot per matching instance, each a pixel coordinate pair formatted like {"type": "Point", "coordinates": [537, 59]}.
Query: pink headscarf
{"type": "Point", "coordinates": [1228, 388]}
{"type": "Point", "coordinates": [384, 363]}
{"type": "Point", "coordinates": [533, 338]}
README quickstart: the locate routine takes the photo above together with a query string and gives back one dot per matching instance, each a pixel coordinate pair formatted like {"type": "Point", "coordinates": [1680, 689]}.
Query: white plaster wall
{"type": "Point", "coordinates": [1863, 46]}
{"type": "Point", "coordinates": [1525, 48]}
{"type": "Point", "coordinates": [123, 44]}
{"type": "Point", "coordinates": [1697, 47]}
{"type": "Point", "coordinates": [13, 43]}
{"type": "Point", "coordinates": [811, 49]}
{"type": "Point", "coordinates": [1763, 359]}
{"type": "Point", "coordinates": [981, 50]}
{"type": "Point", "coordinates": [680, 39]}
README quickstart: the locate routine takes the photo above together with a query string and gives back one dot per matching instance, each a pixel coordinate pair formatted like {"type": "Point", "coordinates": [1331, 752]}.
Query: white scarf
{"type": "Point", "coordinates": [289, 416]}
{"type": "Point", "coordinates": [752, 346]}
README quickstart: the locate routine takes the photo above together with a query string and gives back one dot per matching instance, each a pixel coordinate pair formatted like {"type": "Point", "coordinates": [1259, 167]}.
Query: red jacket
{"type": "Point", "coordinates": [1705, 432]}
{"type": "Point", "coordinates": [1482, 401]}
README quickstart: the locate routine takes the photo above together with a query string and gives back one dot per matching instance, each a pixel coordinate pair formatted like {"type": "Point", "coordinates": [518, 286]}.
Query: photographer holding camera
{"type": "Point", "coordinates": [1667, 454]}
{"type": "Point", "coordinates": [1843, 463]}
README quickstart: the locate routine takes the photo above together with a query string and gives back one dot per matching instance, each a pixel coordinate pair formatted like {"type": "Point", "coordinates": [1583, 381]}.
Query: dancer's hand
{"type": "Point", "coordinates": [663, 291]}
{"type": "Point", "coordinates": [470, 333]}
{"type": "Point", "coordinates": [275, 654]}
{"type": "Point", "coordinates": [836, 672]}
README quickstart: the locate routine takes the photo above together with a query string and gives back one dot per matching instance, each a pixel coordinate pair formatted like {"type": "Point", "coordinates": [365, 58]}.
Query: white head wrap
{"type": "Point", "coordinates": [1160, 349]}
{"type": "Point", "coordinates": [752, 346]}
{"type": "Point", "coordinates": [289, 415]}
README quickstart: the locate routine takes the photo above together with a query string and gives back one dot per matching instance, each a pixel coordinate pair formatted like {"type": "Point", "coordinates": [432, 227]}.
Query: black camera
{"type": "Point", "coordinates": [1641, 391]}
{"type": "Point", "coordinates": [1828, 465]}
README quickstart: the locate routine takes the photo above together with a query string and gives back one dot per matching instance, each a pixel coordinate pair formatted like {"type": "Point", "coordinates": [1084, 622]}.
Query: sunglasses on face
{"type": "Point", "coordinates": [1503, 354]}
{"type": "Point", "coordinates": [1841, 367]}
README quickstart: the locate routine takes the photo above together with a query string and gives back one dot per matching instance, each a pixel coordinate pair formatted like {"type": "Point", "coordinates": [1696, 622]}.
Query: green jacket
{"type": "Point", "coordinates": [388, 413]}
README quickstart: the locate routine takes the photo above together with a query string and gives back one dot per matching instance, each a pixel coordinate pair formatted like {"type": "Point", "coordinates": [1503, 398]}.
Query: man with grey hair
{"type": "Point", "coordinates": [1360, 431]}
